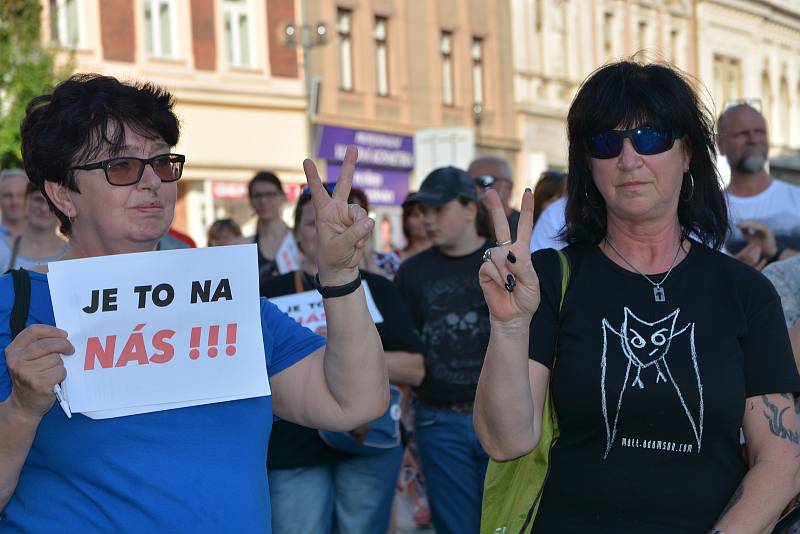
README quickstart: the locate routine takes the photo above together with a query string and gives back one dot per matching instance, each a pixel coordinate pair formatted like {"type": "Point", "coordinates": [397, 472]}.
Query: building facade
{"type": "Point", "coordinates": [558, 43]}
{"type": "Point", "coordinates": [750, 51]}
{"type": "Point", "coordinates": [239, 93]}
{"type": "Point", "coordinates": [378, 73]}
{"type": "Point", "coordinates": [398, 73]}
{"type": "Point", "coordinates": [736, 50]}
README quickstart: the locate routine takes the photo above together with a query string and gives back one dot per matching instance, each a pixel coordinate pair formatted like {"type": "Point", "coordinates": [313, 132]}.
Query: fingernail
{"type": "Point", "coordinates": [511, 280]}
{"type": "Point", "coordinates": [511, 257]}
{"type": "Point", "coordinates": [528, 190]}
{"type": "Point", "coordinates": [509, 288]}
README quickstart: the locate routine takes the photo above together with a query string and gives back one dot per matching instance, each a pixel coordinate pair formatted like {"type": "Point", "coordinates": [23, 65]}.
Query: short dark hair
{"type": "Point", "coordinates": [628, 94]}
{"type": "Point", "coordinates": [265, 177]}
{"type": "Point", "coordinates": [83, 115]}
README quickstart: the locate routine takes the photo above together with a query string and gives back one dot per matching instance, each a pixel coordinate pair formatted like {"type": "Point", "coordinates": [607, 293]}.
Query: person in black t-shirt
{"type": "Point", "coordinates": [440, 285]}
{"type": "Point", "coordinates": [652, 375]}
{"type": "Point", "coordinates": [315, 487]}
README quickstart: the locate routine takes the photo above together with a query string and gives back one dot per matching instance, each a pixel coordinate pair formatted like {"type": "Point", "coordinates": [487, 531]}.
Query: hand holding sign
{"type": "Point", "coordinates": [35, 366]}
{"type": "Point", "coordinates": [342, 230]}
{"type": "Point", "coordinates": [159, 330]}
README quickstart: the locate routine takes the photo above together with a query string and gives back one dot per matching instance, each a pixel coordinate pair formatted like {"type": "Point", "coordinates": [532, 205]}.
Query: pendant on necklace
{"type": "Point", "coordinates": [658, 294]}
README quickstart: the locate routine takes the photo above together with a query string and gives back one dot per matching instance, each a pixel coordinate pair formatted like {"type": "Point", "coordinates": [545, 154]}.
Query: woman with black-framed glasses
{"type": "Point", "coordinates": [655, 347]}
{"type": "Point", "coordinates": [101, 152]}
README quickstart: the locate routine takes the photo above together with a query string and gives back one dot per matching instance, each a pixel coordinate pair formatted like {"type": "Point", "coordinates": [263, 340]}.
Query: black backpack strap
{"type": "Point", "coordinates": [22, 300]}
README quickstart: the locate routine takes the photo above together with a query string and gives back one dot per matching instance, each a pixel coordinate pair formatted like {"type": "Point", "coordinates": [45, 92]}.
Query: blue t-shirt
{"type": "Point", "coordinates": [198, 469]}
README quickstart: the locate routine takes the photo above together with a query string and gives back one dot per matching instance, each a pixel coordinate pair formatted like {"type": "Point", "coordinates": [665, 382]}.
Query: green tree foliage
{"type": "Point", "coordinates": [27, 69]}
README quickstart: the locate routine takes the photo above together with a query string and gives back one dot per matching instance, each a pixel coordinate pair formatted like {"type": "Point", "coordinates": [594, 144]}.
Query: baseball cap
{"type": "Point", "coordinates": [443, 185]}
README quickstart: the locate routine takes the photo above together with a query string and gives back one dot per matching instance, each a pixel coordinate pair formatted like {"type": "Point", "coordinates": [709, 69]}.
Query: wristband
{"type": "Point", "coordinates": [329, 292]}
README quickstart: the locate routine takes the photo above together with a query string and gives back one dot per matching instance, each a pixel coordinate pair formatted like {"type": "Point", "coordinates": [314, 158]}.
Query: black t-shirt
{"type": "Point", "coordinates": [449, 311]}
{"type": "Point", "coordinates": [292, 445]}
{"type": "Point", "coordinates": [650, 395]}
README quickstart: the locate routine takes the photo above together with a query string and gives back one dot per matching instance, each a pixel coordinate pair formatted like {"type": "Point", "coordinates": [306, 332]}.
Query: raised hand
{"type": "Point", "coordinates": [509, 282]}
{"type": "Point", "coordinates": [342, 229]}
{"type": "Point", "coordinates": [35, 366]}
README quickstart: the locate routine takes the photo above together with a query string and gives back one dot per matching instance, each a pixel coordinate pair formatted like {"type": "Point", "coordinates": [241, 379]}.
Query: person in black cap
{"type": "Point", "coordinates": [440, 285]}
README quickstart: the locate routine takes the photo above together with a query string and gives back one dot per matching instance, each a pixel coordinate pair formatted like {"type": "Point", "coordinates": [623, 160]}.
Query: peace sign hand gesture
{"type": "Point", "coordinates": [509, 282]}
{"type": "Point", "coordinates": [342, 229]}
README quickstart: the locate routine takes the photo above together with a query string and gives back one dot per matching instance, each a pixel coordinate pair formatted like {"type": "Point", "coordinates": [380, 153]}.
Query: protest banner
{"type": "Point", "coordinates": [307, 309]}
{"type": "Point", "coordinates": [287, 258]}
{"type": "Point", "coordinates": [159, 330]}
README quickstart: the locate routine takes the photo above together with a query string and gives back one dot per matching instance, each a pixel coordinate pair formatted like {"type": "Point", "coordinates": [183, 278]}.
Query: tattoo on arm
{"type": "Point", "coordinates": [737, 495]}
{"type": "Point", "coordinates": [775, 418]}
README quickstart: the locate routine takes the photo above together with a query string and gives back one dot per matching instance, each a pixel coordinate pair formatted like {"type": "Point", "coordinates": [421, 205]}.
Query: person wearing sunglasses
{"type": "Point", "coordinates": [102, 153]}
{"type": "Point", "coordinates": [494, 172]}
{"type": "Point", "coordinates": [656, 347]}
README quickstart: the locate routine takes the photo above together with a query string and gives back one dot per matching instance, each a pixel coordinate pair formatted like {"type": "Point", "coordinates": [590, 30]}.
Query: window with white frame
{"type": "Point", "coordinates": [159, 27]}
{"type": "Point", "coordinates": [381, 56]}
{"type": "Point", "coordinates": [446, 51]}
{"type": "Point", "coordinates": [344, 27]}
{"type": "Point", "coordinates": [477, 70]}
{"type": "Point", "coordinates": [238, 33]}
{"type": "Point", "coordinates": [65, 23]}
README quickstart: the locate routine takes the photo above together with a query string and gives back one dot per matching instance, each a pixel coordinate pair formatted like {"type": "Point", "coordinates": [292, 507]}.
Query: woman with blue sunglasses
{"type": "Point", "coordinates": [655, 347]}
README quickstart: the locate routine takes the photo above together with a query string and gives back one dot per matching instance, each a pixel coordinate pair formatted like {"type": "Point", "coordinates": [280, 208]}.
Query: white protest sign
{"type": "Point", "coordinates": [306, 308]}
{"type": "Point", "coordinates": [171, 328]}
{"type": "Point", "coordinates": [287, 258]}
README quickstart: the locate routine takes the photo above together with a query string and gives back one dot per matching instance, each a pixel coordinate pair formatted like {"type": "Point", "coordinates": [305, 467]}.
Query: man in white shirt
{"type": "Point", "coordinates": [549, 225]}
{"type": "Point", "coordinates": [12, 202]}
{"type": "Point", "coordinates": [764, 212]}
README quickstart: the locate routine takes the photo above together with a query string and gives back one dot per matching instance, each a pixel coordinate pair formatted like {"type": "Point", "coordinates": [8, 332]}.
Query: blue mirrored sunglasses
{"type": "Point", "coordinates": [646, 140]}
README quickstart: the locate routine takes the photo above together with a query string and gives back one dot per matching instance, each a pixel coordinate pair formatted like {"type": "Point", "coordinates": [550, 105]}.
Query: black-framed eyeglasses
{"type": "Point", "coordinates": [485, 181]}
{"type": "Point", "coordinates": [646, 140]}
{"type": "Point", "coordinates": [129, 170]}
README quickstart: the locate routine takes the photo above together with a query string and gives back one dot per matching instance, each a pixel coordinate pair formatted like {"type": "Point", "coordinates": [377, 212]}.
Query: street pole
{"type": "Point", "coordinates": [310, 37]}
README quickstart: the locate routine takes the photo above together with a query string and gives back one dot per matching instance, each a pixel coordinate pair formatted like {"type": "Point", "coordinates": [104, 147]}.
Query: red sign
{"type": "Point", "coordinates": [229, 190]}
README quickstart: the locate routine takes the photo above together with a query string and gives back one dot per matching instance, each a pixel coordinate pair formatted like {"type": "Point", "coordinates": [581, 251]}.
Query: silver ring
{"type": "Point", "coordinates": [504, 243]}
{"type": "Point", "coordinates": [487, 255]}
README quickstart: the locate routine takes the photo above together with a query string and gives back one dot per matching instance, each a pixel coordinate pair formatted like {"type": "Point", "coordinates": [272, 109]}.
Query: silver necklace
{"type": "Point", "coordinates": [658, 291]}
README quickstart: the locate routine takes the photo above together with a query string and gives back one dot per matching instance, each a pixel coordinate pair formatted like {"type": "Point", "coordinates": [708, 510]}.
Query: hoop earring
{"type": "Point", "coordinates": [589, 200]}
{"type": "Point", "coordinates": [691, 191]}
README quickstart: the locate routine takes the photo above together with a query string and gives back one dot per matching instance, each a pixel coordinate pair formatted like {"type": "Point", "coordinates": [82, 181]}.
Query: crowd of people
{"type": "Point", "coordinates": [668, 359]}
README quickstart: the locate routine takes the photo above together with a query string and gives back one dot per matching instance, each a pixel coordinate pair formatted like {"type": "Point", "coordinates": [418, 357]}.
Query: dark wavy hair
{"type": "Point", "coordinates": [629, 94]}
{"type": "Point", "coordinates": [85, 115]}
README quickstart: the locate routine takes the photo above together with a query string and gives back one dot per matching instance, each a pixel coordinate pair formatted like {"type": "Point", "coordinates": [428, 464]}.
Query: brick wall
{"type": "Point", "coordinates": [117, 27]}
{"type": "Point", "coordinates": [282, 59]}
{"type": "Point", "coordinates": [204, 44]}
